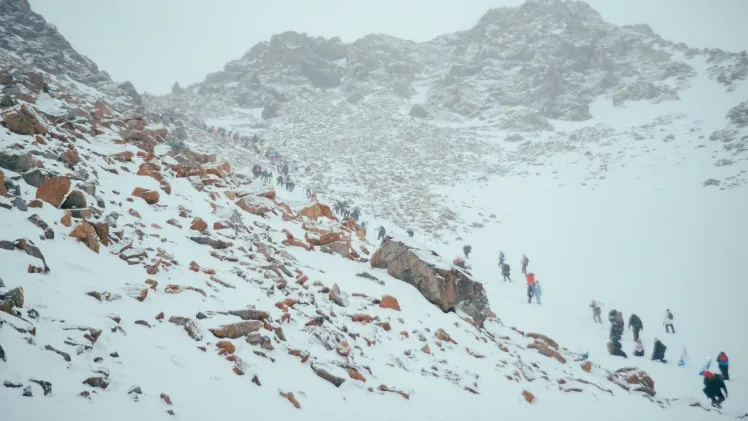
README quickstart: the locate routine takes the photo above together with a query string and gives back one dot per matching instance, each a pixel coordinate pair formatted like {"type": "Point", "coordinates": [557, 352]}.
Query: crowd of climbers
{"type": "Point", "coordinates": [714, 384]}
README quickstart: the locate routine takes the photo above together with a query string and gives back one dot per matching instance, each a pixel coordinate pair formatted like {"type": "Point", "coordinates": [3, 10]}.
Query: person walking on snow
{"type": "Point", "coordinates": [501, 258]}
{"type": "Point", "coordinates": [615, 348]}
{"type": "Point", "coordinates": [659, 351]}
{"type": "Point", "coordinates": [505, 272]}
{"type": "Point", "coordinates": [616, 325]}
{"type": "Point", "coordinates": [530, 284]}
{"type": "Point", "coordinates": [596, 311]}
{"type": "Point", "coordinates": [713, 387]}
{"type": "Point", "coordinates": [639, 348]}
{"type": "Point", "coordinates": [723, 364]}
{"type": "Point", "coordinates": [668, 322]}
{"type": "Point", "coordinates": [525, 261]}
{"type": "Point", "coordinates": [536, 291]}
{"type": "Point", "coordinates": [636, 323]}
{"type": "Point", "coordinates": [467, 250]}
{"type": "Point", "coordinates": [381, 234]}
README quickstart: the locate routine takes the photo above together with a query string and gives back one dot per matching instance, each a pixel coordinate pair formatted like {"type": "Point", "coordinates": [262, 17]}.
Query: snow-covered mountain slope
{"type": "Point", "coordinates": [143, 275]}
{"type": "Point", "coordinates": [526, 86]}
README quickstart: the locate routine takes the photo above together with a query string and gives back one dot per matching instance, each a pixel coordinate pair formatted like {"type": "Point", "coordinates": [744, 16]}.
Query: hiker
{"type": "Point", "coordinates": [505, 272]}
{"type": "Point", "coordinates": [616, 325]}
{"type": "Point", "coordinates": [659, 351]}
{"type": "Point", "coordinates": [536, 291]}
{"type": "Point", "coordinates": [615, 348]}
{"type": "Point", "coordinates": [459, 262]}
{"type": "Point", "coordinates": [596, 311]}
{"type": "Point", "coordinates": [279, 180]}
{"type": "Point", "coordinates": [467, 250]}
{"type": "Point", "coordinates": [668, 322]}
{"type": "Point", "coordinates": [636, 323]}
{"type": "Point", "coordinates": [530, 283]}
{"type": "Point", "coordinates": [356, 214]}
{"type": "Point", "coordinates": [713, 387]}
{"type": "Point", "coordinates": [382, 232]}
{"type": "Point", "coordinates": [410, 233]}
{"type": "Point", "coordinates": [525, 261]}
{"type": "Point", "coordinates": [723, 363]}
{"type": "Point", "coordinates": [639, 348]}
{"type": "Point", "coordinates": [501, 258]}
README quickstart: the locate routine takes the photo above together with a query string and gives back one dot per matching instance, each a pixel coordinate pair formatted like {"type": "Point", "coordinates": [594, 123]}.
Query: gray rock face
{"type": "Point", "coordinates": [447, 288]}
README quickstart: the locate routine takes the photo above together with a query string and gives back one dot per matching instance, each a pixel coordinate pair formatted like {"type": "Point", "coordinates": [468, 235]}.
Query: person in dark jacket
{"type": "Point", "coordinates": [659, 351]}
{"type": "Point", "coordinates": [713, 387]}
{"type": "Point", "coordinates": [724, 364]}
{"type": "Point", "coordinates": [505, 272]}
{"type": "Point", "coordinates": [381, 233]}
{"type": "Point", "coordinates": [615, 348]}
{"type": "Point", "coordinates": [467, 250]}
{"type": "Point", "coordinates": [616, 325]}
{"type": "Point", "coordinates": [636, 323]}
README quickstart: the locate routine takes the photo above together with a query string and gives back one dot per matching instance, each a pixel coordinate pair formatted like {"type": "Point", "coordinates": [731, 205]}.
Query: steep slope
{"type": "Point", "coordinates": [28, 42]}
{"type": "Point", "coordinates": [144, 276]}
{"type": "Point", "coordinates": [524, 84]}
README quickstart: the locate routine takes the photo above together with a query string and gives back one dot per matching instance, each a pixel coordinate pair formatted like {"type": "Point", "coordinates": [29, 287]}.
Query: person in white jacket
{"type": "Point", "coordinates": [668, 322]}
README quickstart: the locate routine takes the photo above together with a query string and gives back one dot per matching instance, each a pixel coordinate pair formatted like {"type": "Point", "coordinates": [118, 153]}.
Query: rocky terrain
{"type": "Point", "coordinates": [525, 84]}
{"type": "Point", "coordinates": [145, 271]}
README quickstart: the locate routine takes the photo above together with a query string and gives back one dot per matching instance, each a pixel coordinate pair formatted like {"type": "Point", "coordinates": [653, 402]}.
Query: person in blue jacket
{"type": "Point", "coordinates": [537, 291]}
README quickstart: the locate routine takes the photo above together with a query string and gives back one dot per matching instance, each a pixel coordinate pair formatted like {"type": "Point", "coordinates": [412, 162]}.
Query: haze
{"type": "Point", "coordinates": [154, 44]}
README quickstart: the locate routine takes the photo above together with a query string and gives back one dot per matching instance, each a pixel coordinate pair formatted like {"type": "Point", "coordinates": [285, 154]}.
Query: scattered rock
{"type": "Point", "coordinates": [250, 314]}
{"type": "Point", "coordinates": [236, 330]}
{"type": "Point", "coordinates": [46, 386]}
{"type": "Point", "coordinates": [64, 355]}
{"type": "Point", "coordinates": [25, 122]}
{"type": "Point", "coordinates": [100, 382]}
{"type": "Point", "coordinates": [291, 398]}
{"type": "Point", "coordinates": [389, 301]}
{"type": "Point", "coordinates": [198, 224]}
{"type": "Point", "coordinates": [321, 372]}
{"type": "Point", "coordinates": [36, 220]}
{"type": "Point", "coordinates": [529, 397]}
{"type": "Point", "coordinates": [150, 196]}
{"type": "Point", "coordinates": [75, 200]}
{"type": "Point", "coordinates": [587, 366]}
{"type": "Point", "coordinates": [53, 190]}
{"type": "Point", "coordinates": [87, 234]}
{"type": "Point", "coordinates": [190, 326]}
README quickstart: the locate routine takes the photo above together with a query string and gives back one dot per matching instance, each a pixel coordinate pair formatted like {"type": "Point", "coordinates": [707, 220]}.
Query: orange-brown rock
{"type": "Point", "coordinates": [356, 375]}
{"type": "Point", "coordinates": [70, 157]}
{"type": "Point", "coordinates": [226, 347]}
{"type": "Point", "coordinates": [543, 338]}
{"type": "Point", "coordinates": [125, 156]}
{"type": "Point", "coordinates": [3, 190]}
{"type": "Point", "coordinates": [174, 222]}
{"type": "Point", "coordinates": [317, 210]}
{"type": "Point", "coordinates": [236, 330]}
{"type": "Point", "coordinates": [53, 190]}
{"type": "Point", "coordinates": [405, 333]}
{"type": "Point", "coordinates": [149, 169]}
{"type": "Point", "coordinates": [297, 243]}
{"type": "Point", "coordinates": [448, 288]}
{"type": "Point", "coordinates": [442, 335]}
{"type": "Point", "coordinates": [24, 121]}
{"type": "Point", "coordinates": [363, 318]}
{"type": "Point", "coordinates": [323, 239]}
{"type": "Point", "coordinates": [546, 350]}
{"type": "Point", "coordinates": [270, 194]}
{"type": "Point", "coordinates": [87, 234]}
{"type": "Point", "coordinates": [529, 397]}
{"type": "Point", "coordinates": [166, 187]}
{"type": "Point", "coordinates": [291, 398]}
{"type": "Point", "coordinates": [40, 140]}
{"type": "Point", "coordinates": [198, 224]}
{"type": "Point", "coordinates": [160, 316]}
{"type": "Point", "coordinates": [94, 294]}
{"type": "Point", "coordinates": [150, 196]}
{"type": "Point", "coordinates": [389, 301]}
{"type": "Point", "coordinates": [256, 205]}
{"type": "Point", "coordinates": [426, 349]}
{"type": "Point", "coordinates": [587, 366]}
{"type": "Point", "coordinates": [208, 271]}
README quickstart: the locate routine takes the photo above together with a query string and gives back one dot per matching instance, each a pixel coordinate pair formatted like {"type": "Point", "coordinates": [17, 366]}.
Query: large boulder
{"type": "Point", "coordinates": [53, 190]}
{"type": "Point", "coordinates": [317, 210]}
{"type": "Point", "coordinates": [24, 121]}
{"type": "Point", "coordinates": [449, 289]}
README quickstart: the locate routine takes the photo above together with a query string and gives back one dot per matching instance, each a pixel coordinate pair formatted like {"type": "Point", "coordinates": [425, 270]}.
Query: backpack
{"type": "Point", "coordinates": [670, 315]}
{"type": "Point", "coordinates": [722, 357]}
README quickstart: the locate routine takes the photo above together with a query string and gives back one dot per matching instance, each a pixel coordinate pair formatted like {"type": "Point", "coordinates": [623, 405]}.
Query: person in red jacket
{"type": "Point", "coordinates": [724, 365]}
{"type": "Point", "coordinates": [530, 284]}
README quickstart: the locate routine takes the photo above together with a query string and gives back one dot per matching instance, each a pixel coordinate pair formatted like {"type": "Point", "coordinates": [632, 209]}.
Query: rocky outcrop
{"type": "Point", "coordinates": [53, 190]}
{"type": "Point", "coordinates": [25, 122]}
{"type": "Point", "coordinates": [449, 289]}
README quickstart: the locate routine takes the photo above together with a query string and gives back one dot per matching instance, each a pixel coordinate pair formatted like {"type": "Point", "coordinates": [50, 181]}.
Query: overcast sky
{"type": "Point", "coordinates": [154, 43]}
